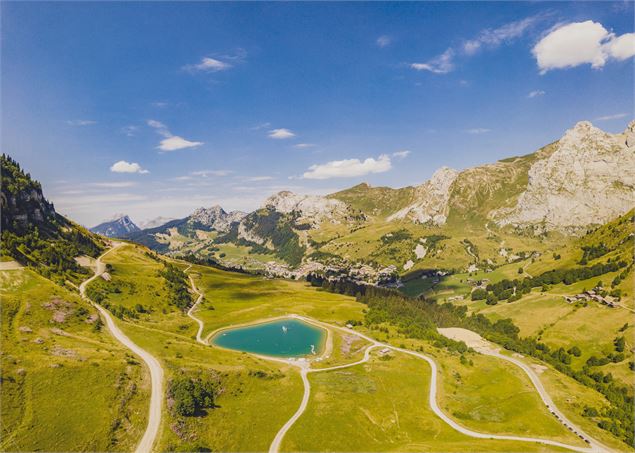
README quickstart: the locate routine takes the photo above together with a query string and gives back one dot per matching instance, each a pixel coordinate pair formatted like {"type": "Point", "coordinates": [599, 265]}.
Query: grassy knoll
{"type": "Point", "coordinates": [484, 393]}
{"type": "Point", "coordinates": [240, 255]}
{"type": "Point", "coordinates": [239, 298]}
{"type": "Point", "coordinates": [380, 406]}
{"type": "Point", "coordinates": [486, 396]}
{"type": "Point", "coordinates": [66, 384]}
{"type": "Point", "coordinates": [249, 387]}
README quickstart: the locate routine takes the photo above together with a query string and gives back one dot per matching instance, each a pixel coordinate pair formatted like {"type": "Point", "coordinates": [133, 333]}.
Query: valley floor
{"type": "Point", "coordinates": [365, 395]}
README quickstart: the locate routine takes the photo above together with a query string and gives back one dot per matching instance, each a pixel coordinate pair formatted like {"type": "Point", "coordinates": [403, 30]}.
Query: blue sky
{"type": "Point", "coordinates": [157, 108]}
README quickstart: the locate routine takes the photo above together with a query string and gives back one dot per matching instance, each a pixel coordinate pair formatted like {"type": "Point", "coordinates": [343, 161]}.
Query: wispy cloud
{"type": "Point", "coordinates": [281, 134]}
{"type": "Point", "coordinates": [349, 168]}
{"type": "Point", "coordinates": [383, 41]}
{"type": "Point", "coordinates": [257, 127]}
{"type": "Point", "coordinates": [401, 154]}
{"type": "Point", "coordinates": [81, 122]}
{"type": "Point", "coordinates": [159, 104]}
{"type": "Point", "coordinates": [259, 178]}
{"type": "Point", "coordinates": [615, 116]}
{"type": "Point", "coordinates": [492, 38]}
{"type": "Point", "coordinates": [127, 167]}
{"type": "Point", "coordinates": [574, 44]}
{"type": "Point", "coordinates": [208, 173]}
{"type": "Point", "coordinates": [208, 64]}
{"type": "Point", "coordinates": [489, 38]}
{"type": "Point", "coordinates": [304, 145]}
{"type": "Point", "coordinates": [217, 63]}
{"type": "Point", "coordinates": [477, 130]}
{"type": "Point", "coordinates": [438, 65]}
{"type": "Point", "coordinates": [536, 93]}
{"type": "Point", "coordinates": [171, 142]}
{"type": "Point", "coordinates": [113, 185]}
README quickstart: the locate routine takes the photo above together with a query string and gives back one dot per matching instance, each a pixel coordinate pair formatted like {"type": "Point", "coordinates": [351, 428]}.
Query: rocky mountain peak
{"type": "Point", "coordinates": [630, 134]}
{"type": "Point", "coordinates": [117, 226]}
{"type": "Point", "coordinates": [588, 180]}
{"type": "Point", "coordinates": [215, 217]}
{"type": "Point", "coordinates": [431, 199]}
{"type": "Point", "coordinates": [312, 209]}
{"type": "Point", "coordinates": [442, 179]}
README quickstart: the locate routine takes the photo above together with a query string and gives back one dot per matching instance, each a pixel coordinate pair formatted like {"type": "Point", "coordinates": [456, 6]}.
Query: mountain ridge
{"type": "Point", "coordinates": [513, 195]}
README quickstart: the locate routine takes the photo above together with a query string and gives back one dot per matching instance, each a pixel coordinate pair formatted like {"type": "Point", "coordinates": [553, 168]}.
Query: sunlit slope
{"type": "Point", "coordinates": [66, 384]}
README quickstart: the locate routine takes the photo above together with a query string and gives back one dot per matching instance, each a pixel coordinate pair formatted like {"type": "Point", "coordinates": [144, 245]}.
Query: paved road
{"type": "Point", "coordinates": [432, 398]}
{"type": "Point", "coordinates": [156, 372]}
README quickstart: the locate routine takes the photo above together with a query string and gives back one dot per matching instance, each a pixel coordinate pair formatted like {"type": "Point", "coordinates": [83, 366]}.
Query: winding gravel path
{"type": "Point", "coordinates": [432, 395]}
{"type": "Point", "coordinates": [156, 371]}
{"type": "Point", "coordinates": [190, 312]}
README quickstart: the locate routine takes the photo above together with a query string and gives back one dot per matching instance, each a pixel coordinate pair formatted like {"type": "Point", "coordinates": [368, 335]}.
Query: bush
{"type": "Point", "coordinates": [190, 395]}
{"type": "Point", "coordinates": [619, 344]}
{"type": "Point", "coordinates": [575, 351]}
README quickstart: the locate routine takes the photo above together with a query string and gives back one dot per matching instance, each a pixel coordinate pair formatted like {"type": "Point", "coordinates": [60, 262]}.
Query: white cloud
{"type": "Point", "coordinates": [175, 143]}
{"type": "Point", "coordinates": [438, 65]}
{"type": "Point", "coordinates": [349, 168]}
{"type": "Point", "coordinates": [127, 167]}
{"type": "Point", "coordinates": [281, 134]}
{"type": "Point", "coordinates": [171, 142]}
{"type": "Point", "coordinates": [304, 145]}
{"type": "Point", "coordinates": [622, 47]}
{"type": "Point", "coordinates": [478, 130]}
{"type": "Point", "coordinates": [536, 93]}
{"type": "Point", "coordinates": [384, 41]}
{"type": "Point", "coordinates": [81, 122]}
{"type": "Point", "coordinates": [616, 116]}
{"type": "Point", "coordinates": [402, 154]}
{"type": "Point", "coordinates": [208, 64]}
{"type": "Point", "coordinates": [159, 104]}
{"type": "Point", "coordinates": [579, 43]}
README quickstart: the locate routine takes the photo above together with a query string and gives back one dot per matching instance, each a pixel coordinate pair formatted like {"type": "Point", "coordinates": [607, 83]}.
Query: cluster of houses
{"type": "Point", "coordinates": [594, 295]}
{"type": "Point", "coordinates": [357, 272]}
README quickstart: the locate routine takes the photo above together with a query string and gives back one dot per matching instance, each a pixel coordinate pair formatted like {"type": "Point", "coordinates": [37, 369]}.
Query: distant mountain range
{"type": "Point", "coordinates": [117, 227]}
{"type": "Point", "coordinates": [585, 179]}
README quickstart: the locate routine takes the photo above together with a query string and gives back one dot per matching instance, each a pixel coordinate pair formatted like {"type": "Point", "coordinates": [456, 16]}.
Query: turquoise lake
{"type": "Point", "coordinates": [282, 338]}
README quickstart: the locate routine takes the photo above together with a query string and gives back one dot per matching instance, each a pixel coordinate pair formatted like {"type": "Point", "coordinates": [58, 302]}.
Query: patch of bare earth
{"type": "Point", "coordinates": [60, 308]}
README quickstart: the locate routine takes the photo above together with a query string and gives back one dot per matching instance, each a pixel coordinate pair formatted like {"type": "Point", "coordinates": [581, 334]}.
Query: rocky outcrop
{"type": "Point", "coordinates": [588, 180]}
{"type": "Point", "coordinates": [431, 205]}
{"type": "Point", "coordinates": [21, 198]}
{"type": "Point", "coordinates": [117, 227]}
{"type": "Point", "coordinates": [215, 218]}
{"type": "Point", "coordinates": [309, 209]}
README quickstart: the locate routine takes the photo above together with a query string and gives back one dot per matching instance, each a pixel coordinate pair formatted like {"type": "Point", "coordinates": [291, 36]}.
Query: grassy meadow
{"type": "Point", "coordinates": [251, 386]}
{"type": "Point", "coordinates": [66, 385]}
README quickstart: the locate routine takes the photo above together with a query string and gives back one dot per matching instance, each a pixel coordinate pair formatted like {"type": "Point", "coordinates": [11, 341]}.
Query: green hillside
{"type": "Point", "coordinates": [375, 202]}
{"type": "Point", "coordinates": [66, 384]}
{"type": "Point", "coordinates": [35, 235]}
